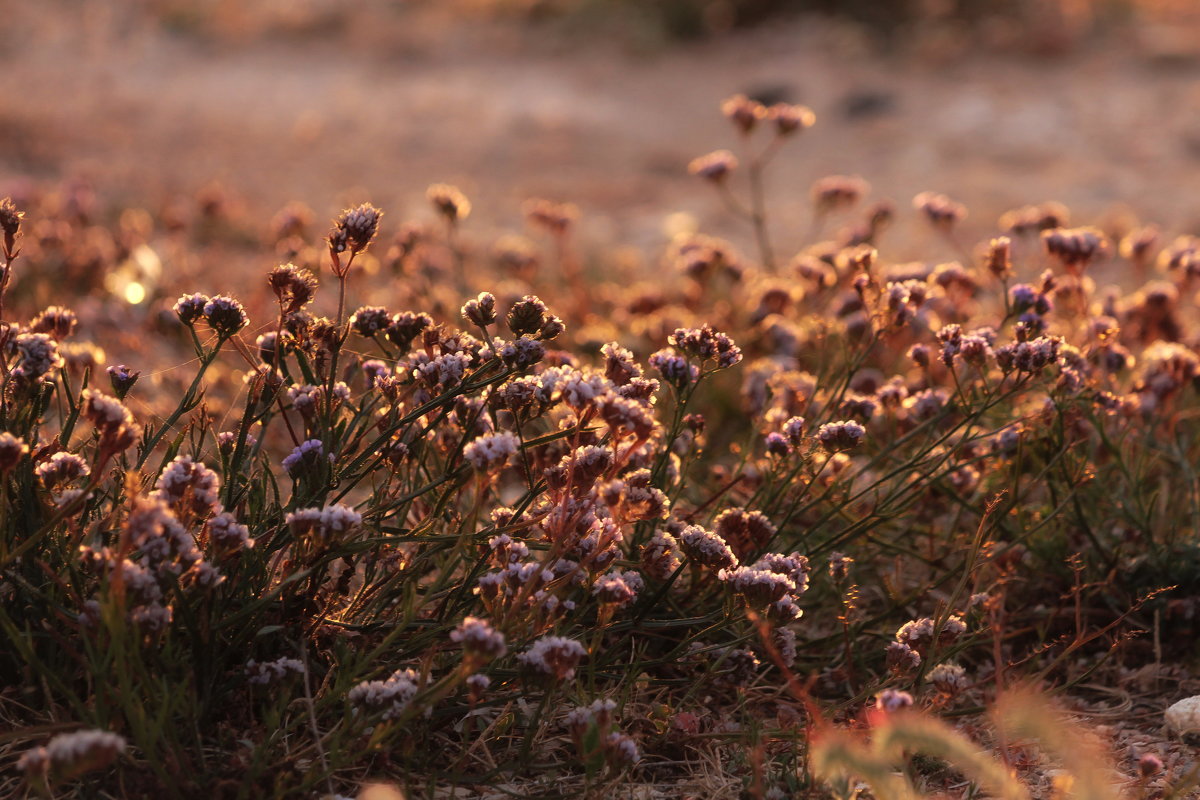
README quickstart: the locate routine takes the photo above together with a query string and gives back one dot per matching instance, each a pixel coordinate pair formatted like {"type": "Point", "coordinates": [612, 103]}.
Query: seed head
{"type": "Point", "coordinates": [479, 639]}
{"type": "Point", "coordinates": [715, 166]}
{"type": "Point", "coordinates": [225, 315]}
{"type": "Point", "coordinates": [940, 210]}
{"type": "Point", "coordinates": [789, 119]}
{"type": "Point", "coordinates": [836, 437]}
{"type": "Point", "coordinates": [10, 225]}
{"type": "Point", "coordinates": [56, 321]}
{"type": "Point", "coordinates": [553, 656]}
{"type": "Point", "coordinates": [12, 450]}
{"type": "Point", "coordinates": [481, 311]}
{"type": "Point", "coordinates": [838, 192]}
{"type": "Point", "coordinates": [527, 316]}
{"type": "Point", "coordinates": [557, 218]}
{"type": "Point", "coordinates": [449, 202]}
{"type": "Point", "coordinates": [295, 287]}
{"type": "Point", "coordinates": [743, 112]}
{"type": "Point", "coordinates": [353, 231]}
{"type": "Point", "coordinates": [122, 379]}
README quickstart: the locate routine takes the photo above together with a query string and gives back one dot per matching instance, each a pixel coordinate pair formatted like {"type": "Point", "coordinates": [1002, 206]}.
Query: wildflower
{"type": "Point", "coordinates": [71, 754]}
{"type": "Point", "coordinates": [674, 368]}
{"type": "Point", "coordinates": [225, 316]}
{"type": "Point", "coordinates": [390, 697]}
{"type": "Point", "coordinates": [627, 416]}
{"type": "Point", "coordinates": [449, 202]}
{"type": "Point", "coordinates": [759, 587]}
{"type": "Point", "coordinates": [940, 210]}
{"type": "Point", "coordinates": [617, 588]}
{"type": "Point", "coordinates": [479, 639]}
{"type": "Point", "coordinates": [10, 226]}
{"type": "Point", "coordinates": [226, 533]}
{"type": "Point", "coordinates": [660, 556]}
{"type": "Point", "coordinates": [12, 450]}
{"type": "Point", "coordinates": [707, 548]}
{"type": "Point", "coordinates": [56, 321]}
{"type": "Point", "coordinates": [188, 485]}
{"type": "Point", "coordinates": [191, 307]}
{"type": "Point", "coordinates": [156, 532]}
{"type": "Point", "coordinates": [122, 379]}
{"type": "Point", "coordinates": [1149, 765]}
{"type": "Point", "coordinates": [949, 679]}
{"type": "Point", "coordinates": [836, 192]}
{"type": "Point", "coordinates": [632, 498]}
{"type": "Point", "coordinates": [1029, 356]}
{"type": "Point", "coordinates": [794, 566]}
{"type": "Point", "coordinates": [477, 684]}
{"type": "Point", "coordinates": [621, 750]}
{"type": "Point", "coordinates": [353, 231]}
{"type": "Point", "coordinates": [998, 259]}
{"type": "Point", "coordinates": [305, 458]}
{"type": "Point", "coordinates": [892, 700]}
{"type": "Point", "coordinates": [527, 316]}
{"type": "Point", "coordinates": [522, 353]}
{"type": "Point", "coordinates": [294, 287]}
{"type": "Point", "coordinates": [901, 659]}
{"type": "Point", "coordinates": [406, 326]}
{"type": "Point", "coordinates": [326, 526]}
{"type": "Point", "coordinates": [744, 531]}
{"type": "Point", "coordinates": [370, 321]}
{"type": "Point", "coordinates": [714, 166]}
{"type": "Point", "coordinates": [1031, 219]}
{"type": "Point", "coordinates": [789, 118]}
{"type": "Point", "coordinates": [705, 344]}
{"type": "Point", "coordinates": [777, 445]}
{"type": "Point", "coordinates": [839, 436]}
{"type": "Point", "coordinates": [37, 356]}
{"type": "Point", "coordinates": [1075, 248]}
{"type": "Point", "coordinates": [554, 217]}
{"type": "Point", "coordinates": [839, 566]}
{"type": "Point", "coordinates": [61, 468]}
{"type": "Point", "coordinates": [481, 311]}
{"type": "Point", "coordinates": [926, 404]}
{"type": "Point", "coordinates": [743, 112]}
{"type": "Point", "coordinates": [261, 673]}
{"type": "Point", "coordinates": [492, 451]}
{"type": "Point", "coordinates": [554, 656]}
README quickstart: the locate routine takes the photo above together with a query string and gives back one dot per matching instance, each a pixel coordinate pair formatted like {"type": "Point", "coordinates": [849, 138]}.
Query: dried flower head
{"type": "Point", "coordinates": [449, 202]}
{"type": "Point", "coordinates": [714, 166]}
{"type": "Point", "coordinates": [479, 639]}
{"type": "Point", "coordinates": [553, 656]}
{"type": "Point", "coordinates": [10, 226]}
{"type": "Point", "coordinates": [743, 112]}
{"type": "Point", "coordinates": [69, 755]}
{"type": "Point", "coordinates": [836, 437]}
{"type": "Point", "coordinates": [353, 231]}
{"type": "Point", "coordinates": [225, 315]}
{"type": "Point", "coordinates": [57, 321]}
{"type": "Point", "coordinates": [190, 307]}
{"type": "Point", "coordinates": [122, 379]}
{"type": "Point", "coordinates": [480, 311]}
{"type": "Point", "coordinates": [789, 119]}
{"type": "Point", "coordinates": [294, 287]}
{"type": "Point", "coordinates": [940, 210]}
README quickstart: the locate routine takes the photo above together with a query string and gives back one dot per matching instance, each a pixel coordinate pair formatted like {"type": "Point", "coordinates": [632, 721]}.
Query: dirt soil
{"type": "Point", "coordinates": [380, 107]}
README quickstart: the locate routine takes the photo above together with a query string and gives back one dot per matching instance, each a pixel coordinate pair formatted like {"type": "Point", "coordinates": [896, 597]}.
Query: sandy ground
{"type": "Point", "coordinates": [382, 111]}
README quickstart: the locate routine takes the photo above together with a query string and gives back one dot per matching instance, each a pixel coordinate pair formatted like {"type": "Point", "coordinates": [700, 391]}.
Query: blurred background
{"type": "Point", "coordinates": [249, 104]}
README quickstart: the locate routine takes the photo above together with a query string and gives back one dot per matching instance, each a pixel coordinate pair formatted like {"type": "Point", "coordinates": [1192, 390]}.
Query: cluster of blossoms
{"type": "Point", "coordinates": [388, 698]}
{"type": "Point", "coordinates": [594, 733]}
{"type": "Point", "coordinates": [71, 754]}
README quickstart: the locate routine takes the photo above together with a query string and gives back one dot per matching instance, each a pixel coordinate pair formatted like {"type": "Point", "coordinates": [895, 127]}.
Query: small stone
{"type": "Point", "coordinates": [1184, 717]}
